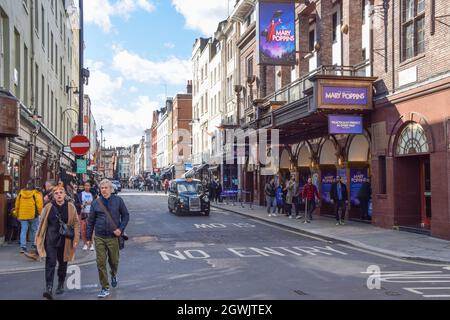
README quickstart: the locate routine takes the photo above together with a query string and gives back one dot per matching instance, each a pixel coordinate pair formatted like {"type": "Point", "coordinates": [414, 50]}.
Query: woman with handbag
{"type": "Point", "coordinates": [57, 238]}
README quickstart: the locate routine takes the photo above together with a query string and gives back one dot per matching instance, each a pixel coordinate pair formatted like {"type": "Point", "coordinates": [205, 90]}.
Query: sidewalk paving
{"type": "Point", "coordinates": [12, 261]}
{"type": "Point", "coordinates": [399, 244]}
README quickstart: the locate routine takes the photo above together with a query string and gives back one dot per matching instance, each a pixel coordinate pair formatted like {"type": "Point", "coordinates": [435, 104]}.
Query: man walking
{"type": "Point", "coordinates": [270, 192]}
{"type": "Point", "coordinates": [339, 197]}
{"type": "Point", "coordinates": [28, 208]}
{"type": "Point", "coordinates": [290, 195]}
{"type": "Point", "coordinates": [364, 195]}
{"type": "Point", "coordinates": [310, 195]}
{"type": "Point", "coordinates": [109, 216]}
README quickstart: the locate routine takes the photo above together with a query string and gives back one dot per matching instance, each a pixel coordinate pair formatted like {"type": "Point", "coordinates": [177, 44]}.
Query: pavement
{"type": "Point", "coordinates": [400, 244]}
{"type": "Point", "coordinates": [12, 261]}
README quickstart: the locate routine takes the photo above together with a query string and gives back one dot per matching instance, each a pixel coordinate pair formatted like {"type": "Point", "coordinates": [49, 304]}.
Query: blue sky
{"type": "Point", "coordinates": [137, 50]}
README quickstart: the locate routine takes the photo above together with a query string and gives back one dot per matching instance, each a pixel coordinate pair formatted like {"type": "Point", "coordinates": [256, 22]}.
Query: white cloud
{"type": "Point", "coordinates": [133, 67]}
{"type": "Point", "coordinates": [169, 45]}
{"type": "Point", "coordinates": [99, 12]}
{"type": "Point", "coordinates": [124, 124]}
{"type": "Point", "coordinates": [203, 16]}
{"type": "Point", "coordinates": [133, 89]}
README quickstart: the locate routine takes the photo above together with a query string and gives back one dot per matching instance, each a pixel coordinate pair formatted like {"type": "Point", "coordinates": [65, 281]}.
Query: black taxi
{"type": "Point", "coordinates": [187, 196]}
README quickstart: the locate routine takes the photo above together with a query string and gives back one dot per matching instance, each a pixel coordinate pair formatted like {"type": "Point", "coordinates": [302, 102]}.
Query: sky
{"type": "Point", "coordinates": [138, 53]}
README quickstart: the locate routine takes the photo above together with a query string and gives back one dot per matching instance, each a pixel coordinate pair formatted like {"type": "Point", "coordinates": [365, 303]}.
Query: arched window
{"type": "Point", "coordinates": [412, 140]}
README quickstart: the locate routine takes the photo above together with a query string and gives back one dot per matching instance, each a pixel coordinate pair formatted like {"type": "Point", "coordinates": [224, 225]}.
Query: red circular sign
{"type": "Point", "coordinates": [80, 145]}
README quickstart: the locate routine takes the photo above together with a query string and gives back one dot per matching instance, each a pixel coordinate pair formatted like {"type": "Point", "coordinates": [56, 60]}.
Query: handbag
{"type": "Point", "coordinates": [123, 237]}
{"type": "Point", "coordinates": [65, 229]}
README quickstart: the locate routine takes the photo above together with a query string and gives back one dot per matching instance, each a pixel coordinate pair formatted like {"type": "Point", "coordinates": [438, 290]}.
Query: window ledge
{"type": "Point", "coordinates": [411, 60]}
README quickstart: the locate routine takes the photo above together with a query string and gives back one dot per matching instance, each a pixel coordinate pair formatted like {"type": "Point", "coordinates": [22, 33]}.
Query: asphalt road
{"type": "Point", "coordinates": [228, 256]}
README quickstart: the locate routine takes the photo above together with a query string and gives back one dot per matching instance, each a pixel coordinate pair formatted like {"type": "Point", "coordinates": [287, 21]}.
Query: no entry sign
{"type": "Point", "coordinates": [80, 145]}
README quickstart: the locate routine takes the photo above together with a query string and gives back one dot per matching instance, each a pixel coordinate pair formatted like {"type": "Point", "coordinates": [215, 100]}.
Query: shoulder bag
{"type": "Point", "coordinates": [123, 237]}
{"type": "Point", "coordinates": [65, 229]}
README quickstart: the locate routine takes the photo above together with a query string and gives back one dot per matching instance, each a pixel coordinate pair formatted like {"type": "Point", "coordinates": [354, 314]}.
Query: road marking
{"type": "Point", "coordinates": [253, 252]}
{"type": "Point", "coordinates": [416, 291]}
{"type": "Point", "coordinates": [392, 258]}
{"type": "Point", "coordinates": [223, 225]}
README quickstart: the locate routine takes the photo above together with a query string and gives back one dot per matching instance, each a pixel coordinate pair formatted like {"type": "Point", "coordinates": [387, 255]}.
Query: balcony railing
{"type": "Point", "coordinates": [295, 90]}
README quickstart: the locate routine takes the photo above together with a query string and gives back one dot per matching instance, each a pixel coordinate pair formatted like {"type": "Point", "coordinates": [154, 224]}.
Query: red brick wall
{"type": "Point", "coordinates": [436, 59]}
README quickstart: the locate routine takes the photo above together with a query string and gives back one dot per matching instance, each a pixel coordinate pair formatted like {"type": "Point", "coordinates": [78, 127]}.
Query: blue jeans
{"type": "Point", "coordinates": [24, 230]}
{"type": "Point", "coordinates": [271, 202]}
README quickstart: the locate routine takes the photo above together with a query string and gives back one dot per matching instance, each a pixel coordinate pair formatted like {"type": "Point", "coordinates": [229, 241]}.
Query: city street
{"type": "Point", "coordinates": [228, 256]}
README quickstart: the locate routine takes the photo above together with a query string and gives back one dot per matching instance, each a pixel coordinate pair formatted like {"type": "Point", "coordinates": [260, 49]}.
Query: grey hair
{"type": "Point", "coordinates": [107, 182]}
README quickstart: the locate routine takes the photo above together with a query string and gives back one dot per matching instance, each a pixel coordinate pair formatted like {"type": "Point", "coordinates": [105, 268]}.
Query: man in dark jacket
{"type": "Point", "coordinates": [270, 192]}
{"type": "Point", "coordinates": [109, 216]}
{"type": "Point", "coordinates": [339, 197]}
{"type": "Point", "coordinates": [364, 195]}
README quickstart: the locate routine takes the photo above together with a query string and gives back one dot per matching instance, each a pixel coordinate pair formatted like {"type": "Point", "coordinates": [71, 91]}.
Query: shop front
{"type": "Point", "coordinates": [327, 133]}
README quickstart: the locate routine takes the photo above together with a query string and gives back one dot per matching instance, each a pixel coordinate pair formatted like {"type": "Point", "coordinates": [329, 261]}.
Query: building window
{"type": "Point", "coordinates": [412, 140]}
{"type": "Point", "coordinates": [311, 40]}
{"type": "Point", "coordinates": [250, 66]}
{"type": "Point", "coordinates": [413, 28]}
{"type": "Point", "coordinates": [36, 16]}
{"type": "Point", "coordinates": [335, 25]}
{"type": "Point", "coordinates": [43, 25]}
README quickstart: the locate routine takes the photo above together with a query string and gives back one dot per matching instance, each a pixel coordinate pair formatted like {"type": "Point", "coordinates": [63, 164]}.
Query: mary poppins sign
{"type": "Point", "coordinates": [276, 33]}
{"type": "Point", "coordinates": [341, 92]}
{"type": "Point", "coordinates": [345, 95]}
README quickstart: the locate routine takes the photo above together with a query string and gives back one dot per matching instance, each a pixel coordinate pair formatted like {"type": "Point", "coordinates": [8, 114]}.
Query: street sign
{"type": "Point", "coordinates": [80, 145]}
{"type": "Point", "coordinates": [81, 166]}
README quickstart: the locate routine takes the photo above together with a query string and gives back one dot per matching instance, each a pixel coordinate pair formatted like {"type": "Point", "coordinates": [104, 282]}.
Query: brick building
{"type": "Point", "coordinates": [410, 123]}
{"type": "Point", "coordinates": [182, 130]}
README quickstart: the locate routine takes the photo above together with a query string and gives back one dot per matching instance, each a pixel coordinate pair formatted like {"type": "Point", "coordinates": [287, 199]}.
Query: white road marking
{"type": "Point", "coordinates": [416, 291]}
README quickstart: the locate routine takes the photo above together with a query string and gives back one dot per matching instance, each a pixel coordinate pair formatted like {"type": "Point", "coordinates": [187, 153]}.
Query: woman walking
{"type": "Point", "coordinates": [54, 246]}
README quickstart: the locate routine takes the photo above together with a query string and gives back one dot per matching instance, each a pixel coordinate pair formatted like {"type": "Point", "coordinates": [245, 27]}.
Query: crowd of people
{"type": "Point", "coordinates": [58, 216]}
{"type": "Point", "coordinates": [287, 197]}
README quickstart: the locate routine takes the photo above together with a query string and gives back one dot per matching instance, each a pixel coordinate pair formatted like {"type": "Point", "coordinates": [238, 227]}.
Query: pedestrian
{"type": "Point", "coordinates": [28, 207]}
{"type": "Point", "coordinates": [85, 198]}
{"type": "Point", "coordinates": [94, 189]}
{"type": "Point", "coordinates": [48, 191]}
{"type": "Point", "coordinates": [364, 195]}
{"type": "Point", "coordinates": [109, 216]}
{"type": "Point", "coordinates": [219, 192]}
{"type": "Point", "coordinates": [53, 246]}
{"type": "Point", "coordinates": [309, 195]}
{"type": "Point", "coordinates": [283, 194]}
{"type": "Point", "coordinates": [296, 199]}
{"type": "Point", "coordinates": [290, 195]}
{"type": "Point", "coordinates": [270, 192]}
{"type": "Point", "coordinates": [339, 198]}
{"type": "Point", "coordinates": [279, 198]}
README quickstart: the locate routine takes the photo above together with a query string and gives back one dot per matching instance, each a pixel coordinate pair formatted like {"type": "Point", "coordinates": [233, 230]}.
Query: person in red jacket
{"type": "Point", "coordinates": [310, 195]}
{"type": "Point", "coordinates": [271, 29]}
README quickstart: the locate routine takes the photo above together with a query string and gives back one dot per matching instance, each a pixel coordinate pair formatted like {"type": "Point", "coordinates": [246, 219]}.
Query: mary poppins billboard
{"type": "Point", "coordinates": [276, 33]}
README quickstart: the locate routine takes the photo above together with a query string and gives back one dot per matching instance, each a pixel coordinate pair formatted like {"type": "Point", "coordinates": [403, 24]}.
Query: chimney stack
{"type": "Point", "coordinates": [189, 87]}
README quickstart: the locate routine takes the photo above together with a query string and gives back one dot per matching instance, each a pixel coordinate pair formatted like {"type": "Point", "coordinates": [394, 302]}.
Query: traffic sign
{"type": "Point", "coordinates": [80, 145]}
{"type": "Point", "coordinates": [81, 166]}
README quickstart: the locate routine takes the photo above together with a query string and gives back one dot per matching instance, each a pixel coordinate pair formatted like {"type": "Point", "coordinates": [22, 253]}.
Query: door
{"type": "Point", "coordinates": [425, 191]}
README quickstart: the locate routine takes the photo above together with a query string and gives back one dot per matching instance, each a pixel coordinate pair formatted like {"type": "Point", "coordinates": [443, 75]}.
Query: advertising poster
{"type": "Point", "coordinates": [357, 177]}
{"type": "Point", "coordinates": [276, 33]}
{"type": "Point", "coordinates": [345, 95]}
{"type": "Point", "coordinates": [342, 124]}
{"type": "Point", "coordinates": [328, 176]}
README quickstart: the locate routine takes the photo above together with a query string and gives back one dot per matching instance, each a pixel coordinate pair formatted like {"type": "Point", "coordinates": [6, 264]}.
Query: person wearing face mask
{"type": "Point", "coordinates": [53, 246]}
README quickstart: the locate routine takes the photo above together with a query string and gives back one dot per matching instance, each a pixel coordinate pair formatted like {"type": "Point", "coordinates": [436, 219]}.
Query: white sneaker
{"type": "Point", "coordinates": [92, 248]}
{"type": "Point", "coordinates": [274, 214]}
{"type": "Point", "coordinates": [269, 215]}
{"type": "Point", "coordinates": [85, 247]}
{"type": "Point", "coordinates": [290, 217]}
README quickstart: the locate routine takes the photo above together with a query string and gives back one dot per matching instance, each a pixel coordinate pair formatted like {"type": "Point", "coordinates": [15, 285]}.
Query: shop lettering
{"type": "Point", "coordinates": [359, 178]}
{"type": "Point", "coordinates": [345, 95]}
{"type": "Point", "coordinates": [283, 36]}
